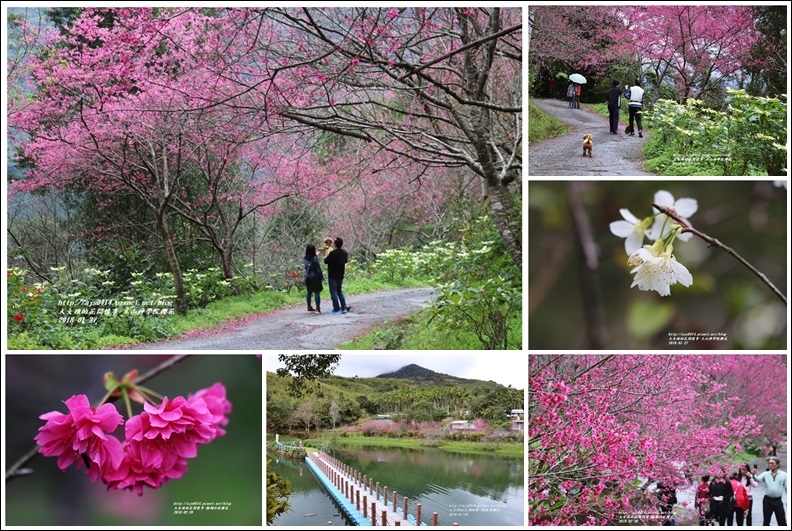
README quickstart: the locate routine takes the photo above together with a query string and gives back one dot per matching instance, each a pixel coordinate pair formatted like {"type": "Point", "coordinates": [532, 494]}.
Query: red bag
{"type": "Point", "coordinates": [741, 498]}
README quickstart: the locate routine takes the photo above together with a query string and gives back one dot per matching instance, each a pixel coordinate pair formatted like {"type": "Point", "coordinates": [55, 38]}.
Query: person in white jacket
{"type": "Point", "coordinates": [635, 97]}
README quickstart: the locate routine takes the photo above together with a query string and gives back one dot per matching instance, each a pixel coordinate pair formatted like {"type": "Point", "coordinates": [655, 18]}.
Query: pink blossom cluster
{"type": "Point", "coordinates": [158, 441]}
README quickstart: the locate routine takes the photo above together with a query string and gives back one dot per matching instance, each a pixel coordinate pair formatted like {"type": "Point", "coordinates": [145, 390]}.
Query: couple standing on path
{"type": "Point", "coordinates": [635, 96]}
{"type": "Point", "coordinates": [336, 259]}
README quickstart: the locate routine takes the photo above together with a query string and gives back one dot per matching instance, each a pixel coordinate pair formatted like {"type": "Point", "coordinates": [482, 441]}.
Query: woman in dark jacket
{"type": "Point", "coordinates": [313, 277]}
{"type": "Point", "coordinates": [721, 493]}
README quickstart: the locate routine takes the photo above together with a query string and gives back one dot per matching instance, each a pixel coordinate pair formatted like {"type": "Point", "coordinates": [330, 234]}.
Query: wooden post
{"type": "Point", "coordinates": [374, 513]}
{"type": "Point", "coordinates": [418, 514]}
{"type": "Point", "coordinates": [434, 519]}
{"type": "Point", "coordinates": [357, 500]}
{"type": "Point", "coordinates": [398, 522]}
{"type": "Point", "coordinates": [371, 491]}
{"type": "Point", "coordinates": [385, 496]}
{"type": "Point", "coordinates": [377, 491]}
{"type": "Point", "coordinates": [365, 506]}
{"type": "Point", "coordinates": [394, 501]}
{"type": "Point", "coordinates": [404, 512]}
{"type": "Point", "coordinates": [364, 481]}
{"type": "Point", "coordinates": [384, 517]}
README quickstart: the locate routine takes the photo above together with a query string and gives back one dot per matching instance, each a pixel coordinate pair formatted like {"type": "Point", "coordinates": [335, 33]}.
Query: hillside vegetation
{"type": "Point", "coordinates": [412, 394]}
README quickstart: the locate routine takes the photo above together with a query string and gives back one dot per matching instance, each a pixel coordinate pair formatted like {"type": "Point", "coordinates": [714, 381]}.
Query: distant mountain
{"type": "Point", "coordinates": [416, 373]}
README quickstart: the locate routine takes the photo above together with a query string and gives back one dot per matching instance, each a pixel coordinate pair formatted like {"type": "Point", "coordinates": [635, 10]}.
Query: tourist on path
{"type": "Point", "coordinates": [313, 278]}
{"type": "Point", "coordinates": [336, 262]}
{"type": "Point", "coordinates": [775, 481]}
{"type": "Point", "coordinates": [749, 483]}
{"type": "Point", "coordinates": [721, 492]}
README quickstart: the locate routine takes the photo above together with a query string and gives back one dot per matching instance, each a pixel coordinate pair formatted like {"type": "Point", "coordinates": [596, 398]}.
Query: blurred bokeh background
{"type": "Point", "coordinates": [582, 299]}
{"type": "Point", "coordinates": [229, 469]}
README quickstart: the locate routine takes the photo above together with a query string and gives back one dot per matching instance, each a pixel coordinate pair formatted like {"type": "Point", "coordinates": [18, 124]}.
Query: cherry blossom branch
{"type": "Point", "coordinates": [715, 243]}
{"type": "Point", "coordinates": [16, 469]}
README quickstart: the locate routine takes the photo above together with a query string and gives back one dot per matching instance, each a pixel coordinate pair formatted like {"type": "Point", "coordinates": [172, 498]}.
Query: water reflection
{"type": "Point", "coordinates": [469, 491]}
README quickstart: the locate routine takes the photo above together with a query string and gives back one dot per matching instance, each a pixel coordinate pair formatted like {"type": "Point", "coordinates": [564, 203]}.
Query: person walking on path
{"type": "Point", "coordinates": [571, 95]}
{"type": "Point", "coordinates": [336, 262]}
{"type": "Point", "coordinates": [614, 107]}
{"type": "Point", "coordinates": [577, 95]}
{"type": "Point", "coordinates": [635, 96]}
{"type": "Point", "coordinates": [313, 278]}
{"type": "Point", "coordinates": [553, 87]}
{"type": "Point", "coordinates": [775, 481]}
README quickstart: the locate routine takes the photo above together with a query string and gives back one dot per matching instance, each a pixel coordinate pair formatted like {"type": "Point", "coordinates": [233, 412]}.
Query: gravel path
{"type": "Point", "coordinates": [563, 155]}
{"type": "Point", "coordinates": [295, 328]}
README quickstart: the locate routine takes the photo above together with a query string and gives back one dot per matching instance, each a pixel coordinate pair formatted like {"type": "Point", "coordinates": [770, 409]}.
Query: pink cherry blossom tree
{"type": "Point", "coordinates": [437, 87]}
{"type": "Point", "coordinates": [602, 428]}
{"type": "Point", "coordinates": [121, 112]}
{"type": "Point", "coordinates": [695, 48]}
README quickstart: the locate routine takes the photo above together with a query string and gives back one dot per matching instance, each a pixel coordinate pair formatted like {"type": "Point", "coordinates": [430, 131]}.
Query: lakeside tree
{"type": "Point", "coordinates": [334, 413]}
{"type": "Point", "coordinates": [307, 415]}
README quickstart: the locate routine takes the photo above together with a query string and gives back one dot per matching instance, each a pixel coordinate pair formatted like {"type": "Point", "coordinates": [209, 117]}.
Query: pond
{"type": "Point", "coordinates": [469, 490]}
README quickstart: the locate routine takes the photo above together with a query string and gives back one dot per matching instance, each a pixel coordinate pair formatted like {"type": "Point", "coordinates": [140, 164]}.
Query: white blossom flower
{"type": "Point", "coordinates": [684, 207]}
{"type": "Point", "coordinates": [632, 229]}
{"type": "Point", "coordinates": [657, 270]}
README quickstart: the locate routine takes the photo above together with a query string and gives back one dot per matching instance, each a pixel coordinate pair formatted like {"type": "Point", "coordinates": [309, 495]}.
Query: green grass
{"type": "Point", "coordinates": [664, 158]}
{"type": "Point", "coordinates": [541, 125]}
{"type": "Point", "coordinates": [504, 449]}
{"type": "Point", "coordinates": [417, 332]}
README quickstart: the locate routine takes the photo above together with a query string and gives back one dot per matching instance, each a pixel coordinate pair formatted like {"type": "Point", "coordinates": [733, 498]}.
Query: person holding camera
{"type": "Point", "coordinates": [775, 481]}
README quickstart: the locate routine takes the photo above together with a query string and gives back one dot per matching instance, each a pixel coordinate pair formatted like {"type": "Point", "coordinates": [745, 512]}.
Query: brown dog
{"type": "Point", "coordinates": [588, 145]}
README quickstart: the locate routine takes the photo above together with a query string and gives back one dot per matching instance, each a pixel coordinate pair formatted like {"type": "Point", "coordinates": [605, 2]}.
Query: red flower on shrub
{"type": "Point", "coordinates": [19, 316]}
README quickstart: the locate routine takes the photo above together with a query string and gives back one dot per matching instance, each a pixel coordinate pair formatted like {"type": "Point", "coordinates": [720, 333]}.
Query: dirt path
{"type": "Point", "coordinates": [563, 155]}
{"type": "Point", "coordinates": [295, 328]}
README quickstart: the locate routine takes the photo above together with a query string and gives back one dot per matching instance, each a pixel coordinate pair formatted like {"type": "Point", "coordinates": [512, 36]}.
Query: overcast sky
{"type": "Point", "coordinates": [505, 369]}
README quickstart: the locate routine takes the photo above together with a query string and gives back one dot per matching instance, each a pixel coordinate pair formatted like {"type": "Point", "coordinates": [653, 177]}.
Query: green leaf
{"type": "Point", "coordinates": [110, 381]}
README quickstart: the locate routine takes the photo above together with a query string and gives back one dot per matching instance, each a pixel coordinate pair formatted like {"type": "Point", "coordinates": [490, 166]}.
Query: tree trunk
{"type": "Point", "coordinates": [173, 261]}
{"type": "Point", "coordinates": [228, 268]}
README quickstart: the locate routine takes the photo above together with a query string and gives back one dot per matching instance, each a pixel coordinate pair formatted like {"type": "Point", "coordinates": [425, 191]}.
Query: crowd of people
{"type": "Point", "coordinates": [723, 500]}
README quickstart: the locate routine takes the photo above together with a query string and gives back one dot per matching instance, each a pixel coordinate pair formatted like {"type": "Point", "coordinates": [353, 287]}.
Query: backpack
{"type": "Point", "coordinates": [741, 498]}
{"type": "Point", "coordinates": [313, 270]}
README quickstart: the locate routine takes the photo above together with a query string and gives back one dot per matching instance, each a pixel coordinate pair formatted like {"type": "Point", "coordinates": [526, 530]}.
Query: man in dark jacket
{"type": "Point", "coordinates": [614, 106]}
{"type": "Point", "coordinates": [336, 262]}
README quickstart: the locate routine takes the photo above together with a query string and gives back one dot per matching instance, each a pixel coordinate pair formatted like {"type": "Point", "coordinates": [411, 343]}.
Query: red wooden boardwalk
{"type": "Point", "coordinates": [364, 495]}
